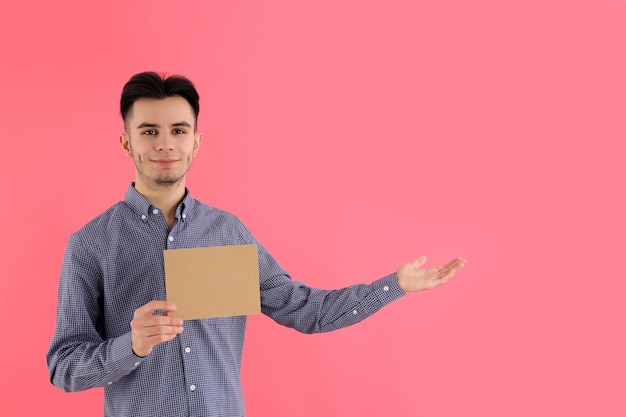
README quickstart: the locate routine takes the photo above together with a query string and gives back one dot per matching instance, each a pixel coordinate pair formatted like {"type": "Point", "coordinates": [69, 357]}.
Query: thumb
{"type": "Point", "coordinates": [419, 261]}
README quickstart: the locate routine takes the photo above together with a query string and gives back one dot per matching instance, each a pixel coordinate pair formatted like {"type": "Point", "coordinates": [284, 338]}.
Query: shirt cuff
{"type": "Point", "coordinates": [387, 289]}
{"type": "Point", "coordinates": [122, 355]}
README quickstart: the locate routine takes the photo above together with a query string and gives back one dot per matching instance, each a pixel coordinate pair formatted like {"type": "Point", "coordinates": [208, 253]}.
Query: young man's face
{"type": "Point", "coordinates": [160, 137]}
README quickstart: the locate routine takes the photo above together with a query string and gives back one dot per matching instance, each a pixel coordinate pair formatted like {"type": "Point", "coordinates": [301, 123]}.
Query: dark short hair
{"type": "Point", "coordinates": [158, 86]}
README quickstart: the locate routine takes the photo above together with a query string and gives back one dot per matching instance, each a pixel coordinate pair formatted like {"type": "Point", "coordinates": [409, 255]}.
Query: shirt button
{"type": "Point", "coordinates": [110, 383]}
{"type": "Point", "coordinates": [137, 363]}
{"type": "Point", "coordinates": [385, 288]}
{"type": "Point", "coordinates": [192, 387]}
{"type": "Point", "coordinates": [143, 217]}
{"type": "Point", "coordinates": [171, 238]}
{"type": "Point", "coordinates": [155, 211]}
{"type": "Point", "coordinates": [355, 312]}
{"type": "Point", "coordinates": [184, 216]}
{"type": "Point", "coordinates": [187, 349]}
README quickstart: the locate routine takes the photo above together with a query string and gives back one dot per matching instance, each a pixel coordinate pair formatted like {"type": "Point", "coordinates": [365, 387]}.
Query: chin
{"type": "Point", "coordinates": [169, 180]}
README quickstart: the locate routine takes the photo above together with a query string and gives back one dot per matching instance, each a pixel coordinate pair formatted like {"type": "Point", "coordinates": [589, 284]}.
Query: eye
{"type": "Point", "coordinates": [150, 132]}
{"type": "Point", "coordinates": [179, 131]}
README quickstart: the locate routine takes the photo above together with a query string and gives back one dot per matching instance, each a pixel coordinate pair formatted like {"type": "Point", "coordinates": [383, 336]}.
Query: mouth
{"type": "Point", "coordinates": [165, 162]}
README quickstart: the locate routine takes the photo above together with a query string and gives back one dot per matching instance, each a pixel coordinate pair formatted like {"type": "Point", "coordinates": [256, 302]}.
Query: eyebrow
{"type": "Point", "coordinates": [177, 124]}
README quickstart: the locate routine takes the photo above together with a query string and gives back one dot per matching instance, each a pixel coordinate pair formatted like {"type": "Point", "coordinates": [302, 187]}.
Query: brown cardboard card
{"type": "Point", "coordinates": [216, 281]}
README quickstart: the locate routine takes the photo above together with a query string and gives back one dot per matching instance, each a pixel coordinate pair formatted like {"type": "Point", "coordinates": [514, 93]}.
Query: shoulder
{"type": "Point", "coordinates": [220, 224]}
{"type": "Point", "coordinates": [205, 211]}
{"type": "Point", "coordinates": [100, 226]}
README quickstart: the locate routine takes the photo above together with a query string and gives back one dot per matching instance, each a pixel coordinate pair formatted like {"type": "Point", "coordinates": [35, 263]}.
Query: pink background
{"type": "Point", "coordinates": [350, 136]}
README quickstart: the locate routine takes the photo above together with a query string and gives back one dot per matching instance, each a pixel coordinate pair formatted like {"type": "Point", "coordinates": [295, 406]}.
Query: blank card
{"type": "Point", "coordinates": [217, 281]}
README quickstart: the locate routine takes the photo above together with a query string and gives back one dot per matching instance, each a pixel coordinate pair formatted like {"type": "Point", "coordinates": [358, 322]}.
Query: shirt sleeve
{"type": "Point", "coordinates": [313, 310]}
{"type": "Point", "coordinates": [78, 357]}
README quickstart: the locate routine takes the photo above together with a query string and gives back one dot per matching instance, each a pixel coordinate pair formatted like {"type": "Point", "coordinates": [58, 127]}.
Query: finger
{"type": "Point", "coordinates": [161, 320]}
{"type": "Point", "coordinates": [149, 324]}
{"type": "Point", "coordinates": [440, 280]}
{"type": "Point", "coordinates": [458, 261]}
{"type": "Point", "coordinates": [458, 264]}
{"type": "Point", "coordinates": [445, 278]}
{"type": "Point", "coordinates": [154, 305]}
{"type": "Point", "coordinates": [444, 269]}
{"type": "Point", "coordinates": [160, 338]}
{"type": "Point", "coordinates": [149, 336]}
{"type": "Point", "coordinates": [421, 260]}
{"type": "Point", "coordinates": [152, 331]}
{"type": "Point", "coordinates": [453, 264]}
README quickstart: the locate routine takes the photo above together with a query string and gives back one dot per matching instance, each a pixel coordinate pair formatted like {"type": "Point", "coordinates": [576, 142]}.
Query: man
{"type": "Point", "coordinates": [112, 327]}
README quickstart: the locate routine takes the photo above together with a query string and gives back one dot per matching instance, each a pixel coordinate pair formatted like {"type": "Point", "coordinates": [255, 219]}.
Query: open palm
{"type": "Point", "coordinates": [413, 277]}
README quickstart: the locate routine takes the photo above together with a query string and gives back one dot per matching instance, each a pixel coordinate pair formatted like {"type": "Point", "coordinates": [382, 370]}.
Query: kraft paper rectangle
{"type": "Point", "coordinates": [215, 281]}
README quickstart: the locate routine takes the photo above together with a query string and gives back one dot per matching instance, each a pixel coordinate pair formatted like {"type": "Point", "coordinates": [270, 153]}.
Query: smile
{"type": "Point", "coordinates": [165, 162]}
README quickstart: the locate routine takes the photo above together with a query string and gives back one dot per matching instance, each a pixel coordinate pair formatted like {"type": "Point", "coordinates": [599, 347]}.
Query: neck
{"type": "Point", "coordinates": [165, 197]}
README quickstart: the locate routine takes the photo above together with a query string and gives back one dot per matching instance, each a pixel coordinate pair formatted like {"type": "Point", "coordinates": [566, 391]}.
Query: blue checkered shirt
{"type": "Point", "coordinates": [114, 264]}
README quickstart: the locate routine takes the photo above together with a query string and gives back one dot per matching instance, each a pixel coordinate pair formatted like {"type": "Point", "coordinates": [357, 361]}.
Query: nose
{"type": "Point", "coordinates": [165, 142]}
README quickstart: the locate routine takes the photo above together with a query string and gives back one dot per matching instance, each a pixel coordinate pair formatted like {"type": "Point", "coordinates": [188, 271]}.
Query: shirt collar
{"type": "Point", "coordinates": [139, 204]}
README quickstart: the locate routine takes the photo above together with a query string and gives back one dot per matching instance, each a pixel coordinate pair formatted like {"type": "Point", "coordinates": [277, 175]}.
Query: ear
{"type": "Point", "coordinates": [196, 142]}
{"type": "Point", "coordinates": [125, 142]}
